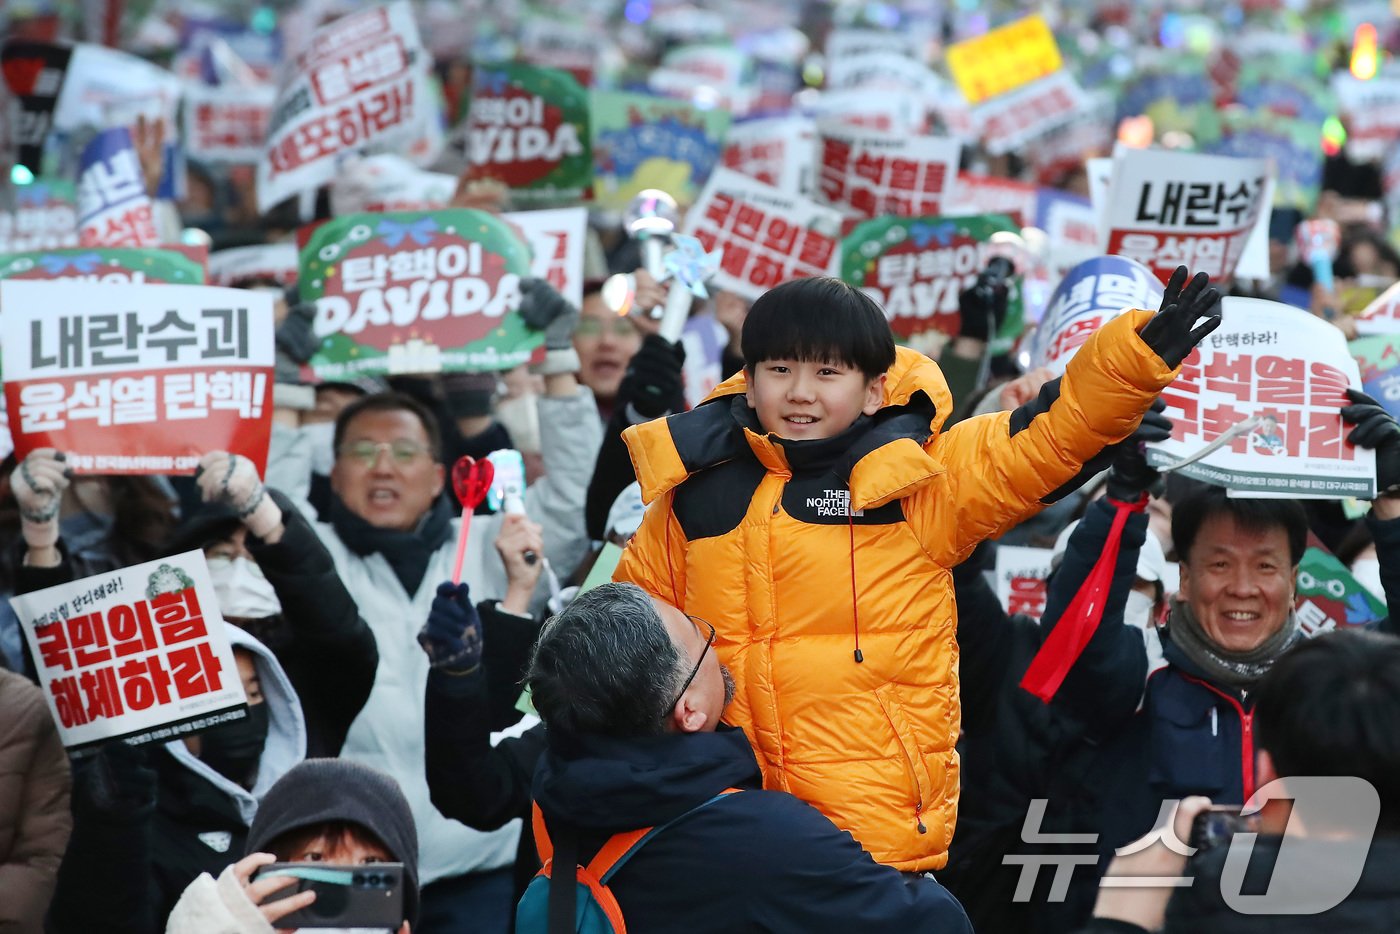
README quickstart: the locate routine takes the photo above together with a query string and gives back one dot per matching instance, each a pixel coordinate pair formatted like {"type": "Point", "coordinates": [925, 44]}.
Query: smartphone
{"type": "Point", "coordinates": [1218, 824]}
{"type": "Point", "coordinates": [365, 896]}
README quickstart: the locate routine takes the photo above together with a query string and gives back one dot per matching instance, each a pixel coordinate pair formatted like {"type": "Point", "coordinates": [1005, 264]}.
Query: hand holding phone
{"type": "Point", "coordinates": [326, 895]}
{"type": "Point", "coordinates": [1218, 824]}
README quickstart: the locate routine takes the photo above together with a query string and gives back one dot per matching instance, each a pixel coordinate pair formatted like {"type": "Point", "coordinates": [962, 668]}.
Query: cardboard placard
{"type": "Point", "coordinates": [1379, 360]}
{"type": "Point", "coordinates": [113, 207]}
{"type": "Point", "coordinates": [227, 124]}
{"type": "Point", "coordinates": [107, 266]}
{"type": "Point", "coordinates": [780, 151]}
{"type": "Point", "coordinates": [873, 174]}
{"type": "Point", "coordinates": [556, 241]}
{"type": "Point", "coordinates": [1089, 296]}
{"type": "Point", "coordinates": [45, 217]}
{"type": "Point", "coordinates": [1009, 122]}
{"type": "Point", "coordinates": [276, 261]}
{"type": "Point", "coordinates": [1021, 575]}
{"type": "Point", "coordinates": [1329, 597]}
{"type": "Point", "coordinates": [641, 141]}
{"type": "Point", "coordinates": [1004, 59]}
{"type": "Point", "coordinates": [1382, 316]}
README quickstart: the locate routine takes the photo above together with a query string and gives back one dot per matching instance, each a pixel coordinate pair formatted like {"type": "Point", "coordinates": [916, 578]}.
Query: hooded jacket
{"type": "Point", "coordinates": [839, 627]}
{"type": "Point", "coordinates": [752, 861]}
{"type": "Point", "coordinates": [127, 865]}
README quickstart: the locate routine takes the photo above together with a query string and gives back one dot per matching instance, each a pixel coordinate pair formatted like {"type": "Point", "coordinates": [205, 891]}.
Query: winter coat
{"type": "Point", "coordinates": [388, 734]}
{"type": "Point", "coordinates": [130, 859]}
{"type": "Point", "coordinates": [752, 861]}
{"type": "Point", "coordinates": [34, 817]}
{"type": "Point", "coordinates": [839, 628]}
{"type": "Point", "coordinates": [210, 906]}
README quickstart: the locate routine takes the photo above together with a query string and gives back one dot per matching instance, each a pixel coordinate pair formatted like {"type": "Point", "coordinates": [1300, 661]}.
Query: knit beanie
{"type": "Point", "coordinates": [319, 791]}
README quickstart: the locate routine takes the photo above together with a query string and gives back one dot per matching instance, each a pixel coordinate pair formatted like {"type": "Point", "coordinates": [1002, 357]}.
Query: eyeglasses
{"type": "Point", "coordinates": [709, 641]}
{"type": "Point", "coordinates": [619, 326]}
{"type": "Point", "coordinates": [403, 452]}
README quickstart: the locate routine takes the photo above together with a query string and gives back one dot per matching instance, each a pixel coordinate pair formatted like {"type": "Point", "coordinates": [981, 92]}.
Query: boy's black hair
{"type": "Point", "coordinates": [821, 320]}
{"type": "Point", "coordinates": [1255, 515]}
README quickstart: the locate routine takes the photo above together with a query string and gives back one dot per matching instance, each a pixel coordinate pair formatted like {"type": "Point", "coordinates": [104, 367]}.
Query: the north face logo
{"type": "Point", "coordinates": [833, 503]}
{"type": "Point", "coordinates": [217, 840]}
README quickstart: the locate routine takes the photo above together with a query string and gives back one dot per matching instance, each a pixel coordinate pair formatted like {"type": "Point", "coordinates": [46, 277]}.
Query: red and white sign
{"type": "Point", "coordinates": [139, 653]}
{"type": "Point", "coordinates": [113, 207]}
{"type": "Point", "coordinates": [39, 224]}
{"type": "Point", "coordinates": [1167, 209]}
{"type": "Point", "coordinates": [361, 83]}
{"type": "Point", "coordinates": [1021, 574]}
{"type": "Point", "coordinates": [877, 111]}
{"type": "Point", "coordinates": [1382, 316]}
{"type": "Point", "coordinates": [228, 123]}
{"type": "Point", "coordinates": [386, 182]}
{"type": "Point", "coordinates": [1010, 121]}
{"type": "Point", "coordinates": [277, 261]}
{"type": "Point", "coordinates": [1372, 112]}
{"type": "Point", "coordinates": [988, 194]}
{"type": "Point", "coordinates": [137, 379]}
{"type": "Point", "coordinates": [779, 151]}
{"type": "Point", "coordinates": [768, 236]}
{"type": "Point", "coordinates": [874, 174]}
{"type": "Point", "coordinates": [556, 241]}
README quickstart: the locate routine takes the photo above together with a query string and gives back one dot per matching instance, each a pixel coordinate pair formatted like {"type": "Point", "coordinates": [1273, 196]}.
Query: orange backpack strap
{"type": "Point", "coordinates": [543, 845]}
{"type": "Point", "coordinates": [621, 847]}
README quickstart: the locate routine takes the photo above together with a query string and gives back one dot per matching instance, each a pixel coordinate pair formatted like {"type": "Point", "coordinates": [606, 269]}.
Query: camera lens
{"type": "Point", "coordinates": [360, 878]}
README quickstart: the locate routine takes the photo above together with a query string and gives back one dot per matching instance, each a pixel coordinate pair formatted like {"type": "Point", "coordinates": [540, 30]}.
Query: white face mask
{"type": "Point", "coordinates": [321, 436]}
{"type": "Point", "coordinates": [242, 590]}
{"type": "Point", "coordinates": [1367, 572]}
{"type": "Point", "coordinates": [1138, 612]}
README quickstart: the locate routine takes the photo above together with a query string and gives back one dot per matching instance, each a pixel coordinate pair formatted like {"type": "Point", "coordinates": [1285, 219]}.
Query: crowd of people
{"type": "Point", "coordinates": [797, 703]}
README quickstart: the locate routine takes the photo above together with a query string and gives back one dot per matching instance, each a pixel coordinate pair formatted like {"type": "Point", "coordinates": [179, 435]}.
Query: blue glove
{"type": "Point", "coordinates": [452, 637]}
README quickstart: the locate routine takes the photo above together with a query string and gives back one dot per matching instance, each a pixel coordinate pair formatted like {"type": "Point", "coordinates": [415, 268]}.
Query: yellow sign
{"type": "Point", "coordinates": [1004, 59]}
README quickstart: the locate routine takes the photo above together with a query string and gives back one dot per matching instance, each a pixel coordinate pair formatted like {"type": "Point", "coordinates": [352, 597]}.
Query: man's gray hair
{"type": "Point", "coordinates": [606, 666]}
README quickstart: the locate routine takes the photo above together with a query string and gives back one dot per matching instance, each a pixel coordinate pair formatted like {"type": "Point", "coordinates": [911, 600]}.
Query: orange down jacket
{"type": "Point", "coordinates": [839, 629]}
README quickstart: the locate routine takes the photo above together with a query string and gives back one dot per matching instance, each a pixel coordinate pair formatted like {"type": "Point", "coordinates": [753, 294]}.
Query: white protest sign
{"type": "Point", "coordinates": [276, 261]}
{"type": "Point", "coordinates": [778, 151]}
{"type": "Point", "coordinates": [1382, 316]}
{"type": "Point", "coordinates": [556, 239]}
{"type": "Point", "coordinates": [1071, 230]}
{"type": "Point", "coordinates": [1372, 111]}
{"type": "Point", "coordinates": [880, 70]}
{"type": "Point", "coordinates": [228, 123]}
{"type": "Point", "coordinates": [1020, 578]}
{"type": "Point", "coordinates": [768, 236]}
{"type": "Point", "coordinates": [137, 379]}
{"type": "Point", "coordinates": [361, 83]}
{"type": "Point", "coordinates": [846, 43]}
{"type": "Point", "coordinates": [386, 182]}
{"type": "Point", "coordinates": [1088, 297]}
{"type": "Point", "coordinates": [1270, 382]}
{"type": "Point", "coordinates": [140, 653]}
{"type": "Point", "coordinates": [1167, 209]}
{"type": "Point", "coordinates": [874, 174]}
{"type": "Point", "coordinates": [1009, 121]}
{"type": "Point", "coordinates": [878, 111]}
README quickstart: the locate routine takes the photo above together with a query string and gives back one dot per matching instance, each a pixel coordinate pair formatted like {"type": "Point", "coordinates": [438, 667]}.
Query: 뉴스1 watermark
{"type": "Point", "coordinates": [1341, 810]}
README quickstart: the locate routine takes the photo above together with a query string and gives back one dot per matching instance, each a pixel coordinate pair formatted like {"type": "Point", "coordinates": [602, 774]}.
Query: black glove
{"type": "Point", "coordinates": [1130, 477]}
{"type": "Point", "coordinates": [544, 309]}
{"type": "Point", "coordinates": [452, 637]}
{"type": "Point", "coordinates": [982, 308]}
{"type": "Point", "coordinates": [116, 781]}
{"type": "Point", "coordinates": [653, 380]}
{"type": "Point", "coordinates": [1172, 332]}
{"type": "Point", "coordinates": [1377, 430]}
{"type": "Point", "coordinates": [295, 336]}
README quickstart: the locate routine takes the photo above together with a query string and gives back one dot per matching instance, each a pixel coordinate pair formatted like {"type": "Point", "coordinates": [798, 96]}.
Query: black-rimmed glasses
{"type": "Point", "coordinates": [709, 641]}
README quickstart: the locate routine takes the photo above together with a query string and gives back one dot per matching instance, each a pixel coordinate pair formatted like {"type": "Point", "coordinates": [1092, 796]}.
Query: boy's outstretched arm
{"type": "Point", "coordinates": [1004, 467]}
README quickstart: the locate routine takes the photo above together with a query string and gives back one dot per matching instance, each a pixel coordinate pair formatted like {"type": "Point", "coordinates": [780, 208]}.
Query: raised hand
{"type": "Point", "coordinates": [233, 480]}
{"type": "Point", "coordinates": [1174, 330]}
{"type": "Point", "coordinates": [39, 482]}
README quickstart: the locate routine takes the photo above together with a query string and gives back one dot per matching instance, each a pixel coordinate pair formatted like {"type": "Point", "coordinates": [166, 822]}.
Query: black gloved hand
{"type": "Point", "coordinates": [544, 309]}
{"type": "Point", "coordinates": [452, 636]}
{"type": "Point", "coordinates": [1377, 430]}
{"type": "Point", "coordinates": [295, 335]}
{"type": "Point", "coordinates": [116, 781]}
{"type": "Point", "coordinates": [1129, 477]}
{"type": "Point", "coordinates": [1173, 332]}
{"type": "Point", "coordinates": [653, 379]}
{"type": "Point", "coordinates": [982, 308]}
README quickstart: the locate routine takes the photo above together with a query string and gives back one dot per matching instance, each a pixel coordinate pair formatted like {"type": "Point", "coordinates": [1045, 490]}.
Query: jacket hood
{"type": "Point", "coordinates": [286, 730]}
{"type": "Point", "coordinates": [611, 785]}
{"type": "Point", "coordinates": [888, 460]}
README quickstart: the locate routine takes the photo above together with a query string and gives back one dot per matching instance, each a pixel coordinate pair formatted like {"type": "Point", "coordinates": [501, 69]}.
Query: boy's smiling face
{"type": "Point", "coordinates": [806, 400]}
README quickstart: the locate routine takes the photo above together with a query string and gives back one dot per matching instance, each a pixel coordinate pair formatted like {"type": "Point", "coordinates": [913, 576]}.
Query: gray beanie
{"type": "Point", "coordinates": [319, 791]}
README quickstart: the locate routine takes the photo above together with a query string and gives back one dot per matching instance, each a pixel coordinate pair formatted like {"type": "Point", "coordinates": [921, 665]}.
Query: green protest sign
{"type": "Point", "coordinates": [106, 265]}
{"type": "Point", "coordinates": [1329, 597]}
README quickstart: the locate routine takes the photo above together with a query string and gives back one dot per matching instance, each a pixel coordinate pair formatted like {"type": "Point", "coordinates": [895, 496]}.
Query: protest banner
{"type": "Point", "coordinates": [1293, 148]}
{"type": "Point", "coordinates": [527, 128]}
{"type": "Point", "coordinates": [888, 73]}
{"type": "Point", "coordinates": [137, 379]}
{"type": "Point", "coordinates": [1011, 121]}
{"type": "Point", "coordinates": [386, 182]}
{"type": "Point", "coordinates": [1021, 574]}
{"type": "Point", "coordinates": [1329, 597]}
{"type": "Point", "coordinates": [844, 42]}
{"type": "Point", "coordinates": [416, 292]}
{"type": "Point", "coordinates": [1268, 385]}
{"type": "Point", "coordinates": [360, 84]}
{"type": "Point", "coordinates": [1378, 358]}
{"type": "Point", "coordinates": [1382, 316]}
{"type": "Point", "coordinates": [712, 74]}
{"type": "Point", "coordinates": [556, 241]}
{"type": "Point", "coordinates": [45, 217]}
{"type": "Point", "coordinates": [226, 124]}
{"type": "Point", "coordinates": [641, 142]}
{"type": "Point", "coordinates": [1167, 209]}
{"type": "Point", "coordinates": [105, 88]}
{"type": "Point", "coordinates": [1004, 59]}
{"type": "Point", "coordinates": [1372, 112]}
{"type": "Point", "coordinates": [778, 151]}
{"type": "Point", "coordinates": [989, 194]}
{"type": "Point", "coordinates": [767, 236]}
{"type": "Point", "coordinates": [33, 72]}
{"type": "Point", "coordinates": [140, 653]}
{"type": "Point", "coordinates": [1089, 296]}
{"type": "Point", "coordinates": [113, 207]}
{"type": "Point", "coordinates": [1071, 230]}
{"type": "Point", "coordinates": [871, 174]}
{"type": "Point", "coordinates": [108, 266]}
{"type": "Point", "coordinates": [877, 111]}
{"type": "Point", "coordinates": [1061, 151]}
{"type": "Point", "coordinates": [268, 261]}
{"type": "Point", "coordinates": [916, 267]}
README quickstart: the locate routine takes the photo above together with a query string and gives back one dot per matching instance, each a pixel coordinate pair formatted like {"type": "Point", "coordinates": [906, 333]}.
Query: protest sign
{"type": "Point", "coordinates": [843, 43]}
{"type": "Point", "coordinates": [916, 267]}
{"type": "Point", "coordinates": [1071, 229]}
{"type": "Point", "coordinates": [642, 142]}
{"type": "Point", "coordinates": [779, 151]}
{"type": "Point", "coordinates": [140, 653]}
{"type": "Point", "coordinates": [416, 292]}
{"type": "Point", "coordinates": [1372, 112]}
{"type": "Point", "coordinates": [768, 236]}
{"type": "Point", "coordinates": [1004, 59]}
{"type": "Point", "coordinates": [556, 241]}
{"type": "Point", "coordinates": [1010, 121]}
{"type": "Point", "coordinates": [1020, 576]}
{"type": "Point", "coordinates": [275, 261]}
{"type": "Point", "coordinates": [1293, 148]}
{"type": "Point", "coordinates": [137, 379]}
{"type": "Point", "coordinates": [528, 129]}
{"type": "Point", "coordinates": [712, 74]}
{"type": "Point", "coordinates": [1382, 316]}
{"type": "Point", "coordinates": [870, 174]}
{"type": "Point", "coordinates": [360, 84]}
{"type": "Point", "coordinates": [113, 207]}
{"type": "Point", "coordinates": [874, 110]}
{"type": "Point", "coordinates": [226, 124]}
{"type": "Point", "coordinates": [386, 182]}
{"type": "Point", "coordinates": [107, 266]}
{"type": "Point", "coordinates": [890, 73]}
{"type": "Point", "coordinates": [1269, 385]}
{"type": "Point", "coordinates": [988, 194]}
{"type": "Point", "coordinates": [33, 72]}
{"type": "Point", "coordinates": [1329, 597]}
{"type": "Point", "coordinates": [1379, 361]}
{"type": "Point", "coordinates": [45, 217]}
{"type": "Point", "coordinates": [106, 88]}
{"type": "Point", "coordinates": [1089, 296]}
{"type": "Point", "coordinates": [1167, 209]}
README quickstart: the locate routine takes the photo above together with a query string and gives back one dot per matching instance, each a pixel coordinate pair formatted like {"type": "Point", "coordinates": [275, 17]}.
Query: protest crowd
{"type": "Point", "coordinates": [809, 466]}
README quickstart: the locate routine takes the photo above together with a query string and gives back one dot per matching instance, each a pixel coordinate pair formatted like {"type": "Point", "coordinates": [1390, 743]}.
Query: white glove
{"type": "Point", "coordinates": [233, 480]}
{"type": "Point", "coordinates": [39, 482]}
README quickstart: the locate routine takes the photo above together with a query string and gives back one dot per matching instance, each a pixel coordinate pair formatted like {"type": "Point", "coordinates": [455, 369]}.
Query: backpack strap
{"type": "Point", "coordinates": [622, 847]}
{"type": "Point", "coordinates": [563, 898]}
